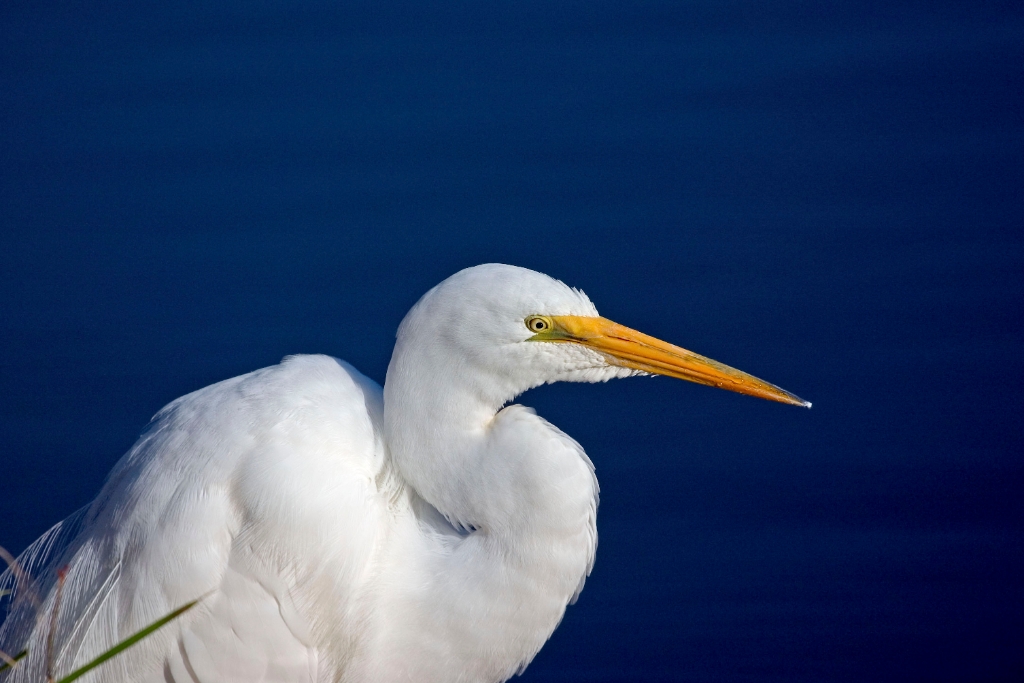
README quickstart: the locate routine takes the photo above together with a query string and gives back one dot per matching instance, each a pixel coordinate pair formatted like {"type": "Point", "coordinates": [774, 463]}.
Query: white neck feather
{"type": "Point", "coordinates": [527, 490]}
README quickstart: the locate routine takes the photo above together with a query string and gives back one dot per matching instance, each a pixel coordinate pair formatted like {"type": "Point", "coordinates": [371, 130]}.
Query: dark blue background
{"type": "Point", "coordinates": [825, 194]}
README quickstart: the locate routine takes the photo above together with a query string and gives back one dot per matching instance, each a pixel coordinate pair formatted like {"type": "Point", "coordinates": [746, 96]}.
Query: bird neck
{"type": "Point", "coordinates": [505, 472]}
{"type": "Point", "coordinates": [479, 465]}
{"type": "Point", "coordinates": [438, 417]}
{"type": "Point", "coordinates": [528, 493]}
{"type": "Point", "coordinates": [438, 438]}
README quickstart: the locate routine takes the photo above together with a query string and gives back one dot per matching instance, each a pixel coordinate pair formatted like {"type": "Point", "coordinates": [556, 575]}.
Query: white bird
{"type": "Point", "coordinates": [340, 532]}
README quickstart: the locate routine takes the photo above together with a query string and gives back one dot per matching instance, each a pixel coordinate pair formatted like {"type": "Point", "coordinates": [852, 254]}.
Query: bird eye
{"type": "Point", "coordinates": [535, 323]}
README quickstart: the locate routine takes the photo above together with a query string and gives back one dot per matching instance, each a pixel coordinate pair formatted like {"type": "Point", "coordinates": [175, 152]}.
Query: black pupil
{"type": "Point", "coordinates": [538, 324]}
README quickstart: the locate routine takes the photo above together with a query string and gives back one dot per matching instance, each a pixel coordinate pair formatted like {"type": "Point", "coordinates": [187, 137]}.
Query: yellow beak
{"type": "Point", "coordinates": [631, 349]}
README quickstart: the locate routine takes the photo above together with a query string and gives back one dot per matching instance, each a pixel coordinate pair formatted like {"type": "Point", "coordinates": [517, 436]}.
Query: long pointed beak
{"type": "Point", "coordinates": [628, 348]}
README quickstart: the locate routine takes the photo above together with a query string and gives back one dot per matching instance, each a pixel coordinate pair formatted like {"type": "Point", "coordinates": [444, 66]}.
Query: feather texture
{"type": "Point", "coordinates": [337, 531]}
{"type": "Point", "coordinates": [275, 497]}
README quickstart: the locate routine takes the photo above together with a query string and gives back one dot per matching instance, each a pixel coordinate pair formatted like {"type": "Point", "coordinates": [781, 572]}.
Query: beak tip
{"type": "Point", "coordinates": [791, 399]}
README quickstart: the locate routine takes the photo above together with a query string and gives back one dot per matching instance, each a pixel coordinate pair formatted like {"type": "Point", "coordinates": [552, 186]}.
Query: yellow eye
{"type": "Point", "coordinates": [535, 323]}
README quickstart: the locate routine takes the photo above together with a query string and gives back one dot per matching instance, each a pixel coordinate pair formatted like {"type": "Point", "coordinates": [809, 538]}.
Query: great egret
{"type": "Point", "coordinates": [341, 532]}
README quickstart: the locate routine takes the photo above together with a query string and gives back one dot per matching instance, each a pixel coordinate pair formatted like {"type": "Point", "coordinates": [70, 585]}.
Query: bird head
{"type": "Point", "coordinates": [499, 330]}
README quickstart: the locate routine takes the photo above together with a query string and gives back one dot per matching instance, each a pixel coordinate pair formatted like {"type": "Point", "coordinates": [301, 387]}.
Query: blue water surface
{"type": "Point", "coordinates": [829, 195]}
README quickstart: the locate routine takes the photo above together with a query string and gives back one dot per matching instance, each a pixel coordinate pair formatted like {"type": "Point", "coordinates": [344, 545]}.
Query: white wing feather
{"type": "Point", "coordinates": [269, 475]}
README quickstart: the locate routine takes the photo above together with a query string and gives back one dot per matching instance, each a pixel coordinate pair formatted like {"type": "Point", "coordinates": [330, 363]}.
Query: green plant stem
{"type": "Point", "coordinates": [127, 643]}
{"type": "Point", "coordinates": [14, 659]}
